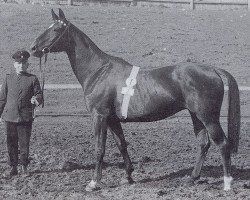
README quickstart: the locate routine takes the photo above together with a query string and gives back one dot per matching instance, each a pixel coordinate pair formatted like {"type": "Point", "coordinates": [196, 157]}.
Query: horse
{"type": "Point", "coordinates": [150, 95]}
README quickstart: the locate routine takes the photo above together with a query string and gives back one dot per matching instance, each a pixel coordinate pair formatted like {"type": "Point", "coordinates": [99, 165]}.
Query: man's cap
{"type": "Point", "coordinates": [21, 56]}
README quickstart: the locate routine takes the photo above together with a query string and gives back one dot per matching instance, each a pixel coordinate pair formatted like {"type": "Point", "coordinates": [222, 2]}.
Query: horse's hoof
{"type": "Point", "coordinates": [91, 186]}
{"type": "Point", "coordinates": [89, 189]}
{"type": "Point", "coordinates": [131, 181]}
{"type": "Point", "coordinates": [227, 183]}
{"type": "Point", "coordinates": [190, 181]}
{"type": "Point", "coordinates": [127, 181]}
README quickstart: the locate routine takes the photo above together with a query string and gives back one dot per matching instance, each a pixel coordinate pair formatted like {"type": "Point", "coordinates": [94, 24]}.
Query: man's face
{"type": "Point", "coordinates": [21, 66]}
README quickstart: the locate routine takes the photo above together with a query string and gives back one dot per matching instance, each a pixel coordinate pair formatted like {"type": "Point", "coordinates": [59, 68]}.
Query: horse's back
{"type": "Point", "coordinates": [162, 92]}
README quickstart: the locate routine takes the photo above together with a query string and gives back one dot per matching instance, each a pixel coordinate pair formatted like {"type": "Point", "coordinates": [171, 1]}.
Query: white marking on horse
{"type": "Point", "coordinates": [227, 183]}
{"type": "Point", "coordinates": [51, 25]}
{"type": "Point", "coordinates": [91, 186]}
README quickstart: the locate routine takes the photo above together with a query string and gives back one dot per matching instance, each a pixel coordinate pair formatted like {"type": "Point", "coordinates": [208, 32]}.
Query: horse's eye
{"type": "Point", "coordinates": [58, 29]}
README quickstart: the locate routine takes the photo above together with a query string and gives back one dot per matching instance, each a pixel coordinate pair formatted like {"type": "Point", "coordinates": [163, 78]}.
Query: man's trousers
{"type": "Point", "coordinates": [18, 135]}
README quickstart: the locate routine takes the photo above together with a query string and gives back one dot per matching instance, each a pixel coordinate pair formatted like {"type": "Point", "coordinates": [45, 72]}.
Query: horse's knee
{"type": "Point", "coordinates": [216, 133]}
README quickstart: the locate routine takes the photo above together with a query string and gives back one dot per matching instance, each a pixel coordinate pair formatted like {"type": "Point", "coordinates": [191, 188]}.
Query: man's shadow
{"type": "Point", "coordinates": [69, 166]}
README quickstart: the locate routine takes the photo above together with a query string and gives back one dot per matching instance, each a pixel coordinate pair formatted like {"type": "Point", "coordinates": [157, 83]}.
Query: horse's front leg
{"type": "Point", "coordinates": [100, 131]}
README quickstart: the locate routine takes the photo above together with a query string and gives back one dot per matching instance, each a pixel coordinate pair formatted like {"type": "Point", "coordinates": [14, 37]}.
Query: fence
{"type": "Point", "coordinates": [199, 4]}
{"type": "Point", "coordinates": [189, 4]}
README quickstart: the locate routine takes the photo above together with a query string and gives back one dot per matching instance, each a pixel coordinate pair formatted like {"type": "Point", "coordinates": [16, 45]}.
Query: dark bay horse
{"type": "Point", "coordinates": [157, 94]}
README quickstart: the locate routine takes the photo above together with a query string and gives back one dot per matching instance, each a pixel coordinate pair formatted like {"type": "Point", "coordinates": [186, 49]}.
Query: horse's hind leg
{"type": "Point", "coordinates": [116, 129]}
{"type": "Point", "coordinates": [204, 142]}
{"type": "Point", "coordinates": [218, 136]}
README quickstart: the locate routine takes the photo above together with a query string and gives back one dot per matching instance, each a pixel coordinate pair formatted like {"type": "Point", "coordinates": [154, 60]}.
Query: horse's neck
{"type": "Point", "coordinates": [84, 56]}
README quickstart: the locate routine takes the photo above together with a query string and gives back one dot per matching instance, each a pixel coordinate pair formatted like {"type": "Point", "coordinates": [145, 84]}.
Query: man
{"type": "Point", "coordinates": [19, 95]}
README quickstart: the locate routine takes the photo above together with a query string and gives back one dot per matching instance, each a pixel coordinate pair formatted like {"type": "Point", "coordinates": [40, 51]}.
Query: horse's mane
{"type": "Point", "coordinates": [87, 41]}
{"type": "Point", "coordinates": [90, 44]}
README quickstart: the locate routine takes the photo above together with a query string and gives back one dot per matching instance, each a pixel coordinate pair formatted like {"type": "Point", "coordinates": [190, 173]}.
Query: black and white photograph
{"type": "Point", "coordinates": [125, 100]}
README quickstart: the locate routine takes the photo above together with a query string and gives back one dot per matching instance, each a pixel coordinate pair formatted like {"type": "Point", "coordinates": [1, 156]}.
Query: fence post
{"type": "Point", "coordinates": [192, 4]}
{"type": "Point", "coordinates": [248, 4]}
{"type": "Point", "coordinates": [134, 2]}
{"type": "Point", "coordinates": [70, 2]}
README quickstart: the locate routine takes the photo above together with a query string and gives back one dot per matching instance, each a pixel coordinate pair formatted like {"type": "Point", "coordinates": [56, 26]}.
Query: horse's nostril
{"type": "Point", "coordinates": [33, 48]}
{"type": "Point", "coordinates": [45, 50]}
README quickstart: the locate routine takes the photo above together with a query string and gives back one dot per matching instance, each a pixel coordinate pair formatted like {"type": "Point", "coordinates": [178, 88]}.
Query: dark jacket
{"type": "Point", "coordinates": [15, 96]}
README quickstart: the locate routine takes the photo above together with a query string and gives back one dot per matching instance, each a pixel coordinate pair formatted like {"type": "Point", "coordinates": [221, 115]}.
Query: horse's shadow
{"type": "Point", "coordinates": [207, 171]}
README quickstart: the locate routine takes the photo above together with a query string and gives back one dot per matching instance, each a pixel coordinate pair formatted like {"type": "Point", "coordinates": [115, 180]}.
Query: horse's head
{"type": "Point", "coordinates": [54, 39]}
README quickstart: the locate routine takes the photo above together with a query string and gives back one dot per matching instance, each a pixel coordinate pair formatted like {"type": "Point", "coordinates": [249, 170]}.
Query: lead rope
{"type": "Point", "coordinates": [42, 77]}
{"type": "Point", "coordinates": [42, 88]}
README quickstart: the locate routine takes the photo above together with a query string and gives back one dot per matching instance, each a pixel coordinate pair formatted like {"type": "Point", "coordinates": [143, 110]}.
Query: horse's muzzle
{"type": "Point", "coordinates": [45, 50]}
{"type": "Point", "coordinates": [35, 52]}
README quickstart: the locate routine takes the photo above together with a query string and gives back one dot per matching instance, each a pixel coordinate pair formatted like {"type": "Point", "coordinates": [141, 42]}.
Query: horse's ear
{"type": "Point", "coordinates": [54, 16]}
{"type": "Point", "coordinates": [61, 15]}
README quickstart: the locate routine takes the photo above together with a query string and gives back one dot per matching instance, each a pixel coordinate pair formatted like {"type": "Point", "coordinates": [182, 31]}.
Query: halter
{"type": "Point", "coordinates": [45, 51]}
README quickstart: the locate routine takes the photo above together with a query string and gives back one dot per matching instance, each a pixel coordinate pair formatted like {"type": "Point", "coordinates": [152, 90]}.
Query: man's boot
{"type": "Point", "coordinates": [10, 173]}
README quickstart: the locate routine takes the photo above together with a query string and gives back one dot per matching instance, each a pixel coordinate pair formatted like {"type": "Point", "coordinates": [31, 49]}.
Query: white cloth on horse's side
{"type": "Point", "coordinates": [128, 91]}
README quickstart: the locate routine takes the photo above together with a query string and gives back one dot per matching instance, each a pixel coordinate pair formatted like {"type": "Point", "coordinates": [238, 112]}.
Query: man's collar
{"type": "Point", "coordinates": [21, 73]}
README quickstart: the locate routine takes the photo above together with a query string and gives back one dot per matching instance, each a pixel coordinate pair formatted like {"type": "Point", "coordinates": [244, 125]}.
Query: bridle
{"type": "Point", "coordinates": [45, 51]}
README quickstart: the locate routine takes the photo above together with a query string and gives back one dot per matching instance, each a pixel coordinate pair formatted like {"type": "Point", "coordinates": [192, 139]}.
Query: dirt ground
{"type": "Point", "coordinates": [163, 152]}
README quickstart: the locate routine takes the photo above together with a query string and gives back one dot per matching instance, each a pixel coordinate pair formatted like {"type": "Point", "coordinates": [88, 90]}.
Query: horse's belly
{"type": "Point", "coordinates": [150, 108]}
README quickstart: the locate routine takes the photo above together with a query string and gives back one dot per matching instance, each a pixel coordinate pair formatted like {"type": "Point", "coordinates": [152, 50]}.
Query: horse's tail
{"type": "Point", "coordinates": [233, 111]}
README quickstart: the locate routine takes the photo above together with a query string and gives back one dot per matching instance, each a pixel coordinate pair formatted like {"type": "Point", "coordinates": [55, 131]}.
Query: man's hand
{"type": "Point", "coordinates": [34, 101]}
